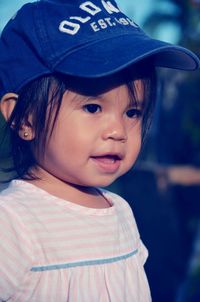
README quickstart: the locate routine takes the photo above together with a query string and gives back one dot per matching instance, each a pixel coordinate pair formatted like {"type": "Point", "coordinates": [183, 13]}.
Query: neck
{"type": "Point", "coordinates": [86, 196]}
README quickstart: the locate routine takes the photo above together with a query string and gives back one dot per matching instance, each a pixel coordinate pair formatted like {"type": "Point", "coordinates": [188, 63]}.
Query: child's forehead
{"type": "Point", "coordinates": [98, 86]}
{"type": "Point", "coordinates": [123, 92]}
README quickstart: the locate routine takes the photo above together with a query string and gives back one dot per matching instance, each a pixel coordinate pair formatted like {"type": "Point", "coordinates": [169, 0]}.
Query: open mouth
{"type": "Point", "coordinates": [107, 159]}
{"type": "Point", "coordinates": [107, 163]}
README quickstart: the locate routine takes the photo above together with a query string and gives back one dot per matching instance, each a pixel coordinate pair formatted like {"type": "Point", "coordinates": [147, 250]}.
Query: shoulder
{"type": "Point", "coordinates": [8, 199]}
{"type": "Point", "coordinates": [116, 200]}
{"type": "Point", "coordinates": [19, 196]}
{"type": "Point", "coordinates": [122, 207]}
{"type": "Point", "coordinates": [11, 194]}
{"type": "Point", "coordinates": [124, 211]}
{"type": "Point", "coordinates": [12, 213]}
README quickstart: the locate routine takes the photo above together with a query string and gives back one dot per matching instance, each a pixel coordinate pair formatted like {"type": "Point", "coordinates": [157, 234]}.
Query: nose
{"type": "Point", "coordinates": [115, 129]}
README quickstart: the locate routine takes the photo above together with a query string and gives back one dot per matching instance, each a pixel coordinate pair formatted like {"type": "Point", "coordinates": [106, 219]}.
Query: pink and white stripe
{"type": "Point", "coordinates": [54, 250]}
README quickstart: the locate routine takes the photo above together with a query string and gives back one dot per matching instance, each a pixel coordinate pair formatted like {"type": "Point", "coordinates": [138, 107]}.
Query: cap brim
{"type": "Point", "coordinates": [105, 57]}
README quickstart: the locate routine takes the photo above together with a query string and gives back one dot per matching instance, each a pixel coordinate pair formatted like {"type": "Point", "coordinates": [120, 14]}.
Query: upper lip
{"type": "Point", "coordinates": [116, 155]}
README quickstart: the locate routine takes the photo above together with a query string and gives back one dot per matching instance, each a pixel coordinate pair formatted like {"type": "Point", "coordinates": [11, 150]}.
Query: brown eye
{"type": "Point", "coordinates": [134, 113]}
{"type": "Point", "coordinates": [92, 108]}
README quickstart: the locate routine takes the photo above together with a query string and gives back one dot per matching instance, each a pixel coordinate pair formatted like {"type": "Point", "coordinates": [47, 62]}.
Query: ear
{"type": "Point", "coordinates": [7, 105]}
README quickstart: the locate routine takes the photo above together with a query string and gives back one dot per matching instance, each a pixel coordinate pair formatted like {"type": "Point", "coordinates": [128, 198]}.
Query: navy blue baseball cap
{"type": "Point", "coordinates": [89, 39]}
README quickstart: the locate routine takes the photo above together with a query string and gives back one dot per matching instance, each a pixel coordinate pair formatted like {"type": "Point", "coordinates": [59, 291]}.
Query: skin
{"type": "Point", "coordinates": [95, 140]}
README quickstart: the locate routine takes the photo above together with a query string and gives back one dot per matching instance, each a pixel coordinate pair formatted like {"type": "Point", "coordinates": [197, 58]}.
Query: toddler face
{"type": "Point", "coordinates": [95, 139]}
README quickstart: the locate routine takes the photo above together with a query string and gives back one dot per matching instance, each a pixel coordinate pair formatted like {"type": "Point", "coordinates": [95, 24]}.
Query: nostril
{"type": "Point", "coordinates": [115, 135]}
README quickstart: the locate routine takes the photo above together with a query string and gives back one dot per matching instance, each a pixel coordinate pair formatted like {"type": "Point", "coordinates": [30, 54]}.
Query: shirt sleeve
{"type": "Point", "coordinates": [15, 253]}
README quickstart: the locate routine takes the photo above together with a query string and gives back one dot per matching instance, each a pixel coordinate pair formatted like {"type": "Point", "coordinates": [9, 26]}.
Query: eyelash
{"type": "Point", "coordinates": [134, 113]}
{"type": "Point", "coordinates": [92, 108]}
{"type": "Point", "coordinates": [95, 108]}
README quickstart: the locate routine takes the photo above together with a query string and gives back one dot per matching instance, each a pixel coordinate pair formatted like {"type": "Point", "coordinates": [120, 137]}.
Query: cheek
{"type": "Point", "coordinates": [134, 150]}
{"type": "Point", "coordinates": [68, 142]}
{"type": "Point", "coordinates": [134, 144]}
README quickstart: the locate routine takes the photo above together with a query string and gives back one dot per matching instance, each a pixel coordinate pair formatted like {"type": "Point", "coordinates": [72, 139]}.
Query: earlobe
{"type": "Point", "coordinates": [26, 133]}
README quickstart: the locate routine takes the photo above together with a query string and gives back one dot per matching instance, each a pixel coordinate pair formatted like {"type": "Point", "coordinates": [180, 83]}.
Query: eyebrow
{"type": "Point", "coordinates": [84, 99]}
{"type": "Point", "coordinates": [138, 103]}
{"type": "Point", "coordinates": [87, 98]}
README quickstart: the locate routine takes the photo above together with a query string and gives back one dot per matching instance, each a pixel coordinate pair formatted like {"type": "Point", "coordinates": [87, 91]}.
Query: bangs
{"type": "Point", "coordinates": [136, 89]}
{"type": "Point", "coordinates": [147, 81]}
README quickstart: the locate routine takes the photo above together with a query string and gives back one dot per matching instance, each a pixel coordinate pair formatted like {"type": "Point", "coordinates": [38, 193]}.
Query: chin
{"type": "Point", "coordinates": [97, 181]}
{"type": "Point", "coordinates": [105, 183]}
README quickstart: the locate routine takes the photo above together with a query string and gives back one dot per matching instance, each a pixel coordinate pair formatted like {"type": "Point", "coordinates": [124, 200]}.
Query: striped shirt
{"type": "Point", "coordinates": [54, 250]}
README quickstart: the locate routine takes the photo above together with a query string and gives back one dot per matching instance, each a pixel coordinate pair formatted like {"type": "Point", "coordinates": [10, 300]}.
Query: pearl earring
{"type": "Point", "coordinates": [25, 134]}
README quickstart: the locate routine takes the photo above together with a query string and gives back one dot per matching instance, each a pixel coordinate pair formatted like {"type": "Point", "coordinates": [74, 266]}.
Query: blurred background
{"type": "Point", "coordinates": [164, 186]}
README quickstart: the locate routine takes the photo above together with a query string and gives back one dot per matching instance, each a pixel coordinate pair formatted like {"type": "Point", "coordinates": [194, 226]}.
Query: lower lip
{"type": "Point", "coordinates": [106, 165]}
